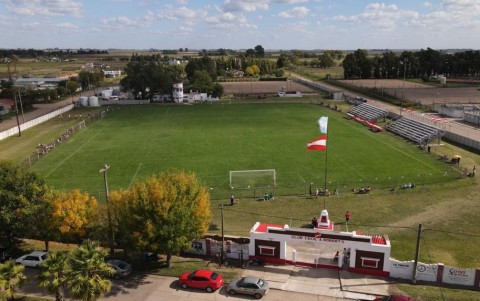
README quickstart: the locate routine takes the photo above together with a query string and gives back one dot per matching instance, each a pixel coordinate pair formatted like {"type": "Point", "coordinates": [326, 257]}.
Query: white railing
{"type": "Point", "coordinates": [14, 131]}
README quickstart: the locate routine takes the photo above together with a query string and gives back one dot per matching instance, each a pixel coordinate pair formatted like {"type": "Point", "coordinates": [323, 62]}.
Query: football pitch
{"type": "Point", "coordinates": [213, 139]}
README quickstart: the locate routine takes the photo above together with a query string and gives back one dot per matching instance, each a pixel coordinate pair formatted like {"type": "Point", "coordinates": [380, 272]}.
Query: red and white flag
{"type": "Point", "coordinates": [319, 144]}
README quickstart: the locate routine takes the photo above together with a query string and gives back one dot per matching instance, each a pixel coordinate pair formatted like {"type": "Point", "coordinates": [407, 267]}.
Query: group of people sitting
{"type": "Point", "coordinates": [408, 185]}
{"type": "Point", "coordinates": [362, 190]}
{"type": "Point", "coordinates": [268, 196]}
{"type": "Point", "coordinates": [321, 192]}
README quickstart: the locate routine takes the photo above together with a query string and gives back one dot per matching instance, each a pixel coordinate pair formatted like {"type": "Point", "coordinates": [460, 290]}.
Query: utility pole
{"type": "Point", "coordinates": [417, 251]}
{"type": "Point", "coordinates": [16, 113]}
{"type": "Point", "coordinates": [223, 241]}
{"type": "Point", "coordinates": [104, 170]}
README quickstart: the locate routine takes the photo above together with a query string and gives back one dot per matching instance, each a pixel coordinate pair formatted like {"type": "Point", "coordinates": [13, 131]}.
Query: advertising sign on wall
{"type": "Point", "coordinates": [401, 269]}
{"type": "Point", "coordinates": [427, 272]}
{"type": "Point", "coordinates": [459, 276]}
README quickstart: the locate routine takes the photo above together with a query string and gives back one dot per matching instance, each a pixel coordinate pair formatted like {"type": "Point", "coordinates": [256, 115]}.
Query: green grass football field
{"type": "Point", "coordinates": [212, 140]}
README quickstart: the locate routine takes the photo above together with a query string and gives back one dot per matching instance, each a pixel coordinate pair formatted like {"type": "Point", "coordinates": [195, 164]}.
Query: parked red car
{"type": "Point", "coordinates": [395, 298]}
{"type": "Point", "coordinates": [201, 279]}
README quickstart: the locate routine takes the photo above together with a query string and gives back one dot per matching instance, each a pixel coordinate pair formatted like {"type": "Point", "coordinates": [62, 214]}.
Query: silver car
{"type": "Point", "coordinates": [122, 269]}
{"type": "Point", "coordinates": [248, 286]}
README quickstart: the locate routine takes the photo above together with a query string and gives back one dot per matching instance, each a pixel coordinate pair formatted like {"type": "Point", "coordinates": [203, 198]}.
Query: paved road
{"type": "Point", "coordinates": [287, 283]}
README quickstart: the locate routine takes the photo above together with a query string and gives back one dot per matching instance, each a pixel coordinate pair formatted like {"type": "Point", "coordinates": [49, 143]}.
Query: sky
{"type": "Point", "coordinates": [240, 24]}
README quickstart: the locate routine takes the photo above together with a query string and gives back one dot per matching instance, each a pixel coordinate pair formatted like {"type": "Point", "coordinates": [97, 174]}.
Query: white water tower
{"type": "Point", "coordinates": [177, 92]}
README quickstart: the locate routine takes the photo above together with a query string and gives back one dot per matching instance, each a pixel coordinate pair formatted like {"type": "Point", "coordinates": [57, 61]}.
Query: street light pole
{"type": "Point", "coordinates": [104, 170]}
{"type": "Point", "coordinates": [405, 61]}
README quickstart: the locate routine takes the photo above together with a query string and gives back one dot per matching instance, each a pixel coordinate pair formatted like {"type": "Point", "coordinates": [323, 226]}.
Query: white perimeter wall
{"type": "Point", "coordinates": [14, 131]}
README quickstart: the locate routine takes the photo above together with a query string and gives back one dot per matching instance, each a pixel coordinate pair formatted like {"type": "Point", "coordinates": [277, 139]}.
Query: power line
{"type": "Point", "coordinates": [353, 224]}
{"type": "Point", "coordinates": [431, 260]}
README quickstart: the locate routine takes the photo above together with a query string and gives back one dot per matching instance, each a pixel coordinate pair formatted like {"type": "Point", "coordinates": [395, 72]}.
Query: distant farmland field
{"type": "Point", "coordinates": [212, 140]}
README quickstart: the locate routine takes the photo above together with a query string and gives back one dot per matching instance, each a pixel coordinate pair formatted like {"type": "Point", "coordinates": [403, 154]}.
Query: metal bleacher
{"type": "Point", "coordinates": [415, 131]}
{"type": "Point", "coordinates": [367, 112]}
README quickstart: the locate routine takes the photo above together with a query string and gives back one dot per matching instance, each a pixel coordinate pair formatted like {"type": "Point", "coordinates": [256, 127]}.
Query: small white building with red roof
{"type": "Point", "coordinates": [6, 106]}
{"type": "Point", "coordinates": [321, 246]}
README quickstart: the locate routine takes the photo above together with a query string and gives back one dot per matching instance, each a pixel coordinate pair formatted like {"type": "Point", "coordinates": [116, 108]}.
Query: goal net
{"type": "Point", "coordinates": [253, 178]}
{"type": "Point", "coordinates": [81, 125]}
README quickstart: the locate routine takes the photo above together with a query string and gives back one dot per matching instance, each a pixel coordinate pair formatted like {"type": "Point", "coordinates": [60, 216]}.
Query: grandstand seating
{"type": "Point", "coordinates": [413, 130]}
{"type": "Point", "coordinates": [368, 112]}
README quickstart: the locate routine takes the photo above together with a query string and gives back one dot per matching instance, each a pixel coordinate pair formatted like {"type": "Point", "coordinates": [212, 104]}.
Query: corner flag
{"type": "Point", "coordinates": [318, 144]}
{"type": "Point", "coordinates": [323, 124]}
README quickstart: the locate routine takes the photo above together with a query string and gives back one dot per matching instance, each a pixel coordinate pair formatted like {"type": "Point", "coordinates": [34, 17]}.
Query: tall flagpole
{"type": "Point", "coordinates": [325, 184]}
{"type": "Point", "coordinates": [323, 125]}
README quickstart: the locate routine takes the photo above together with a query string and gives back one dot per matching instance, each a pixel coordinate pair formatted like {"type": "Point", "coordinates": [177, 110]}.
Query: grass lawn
{"type": "Point", "coordinates": [214, 139]}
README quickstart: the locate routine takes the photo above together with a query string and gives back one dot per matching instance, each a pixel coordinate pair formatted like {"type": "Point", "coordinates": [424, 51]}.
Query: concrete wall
{"type": "Point", "coordinates": [462, 140]}
{"type": "Point", "coordinates": [473, 118]}
{"type": "Point", "coordinates": [14, 131]}
{"type": "Point", "coordinates": [435, 273]}
{"type": "Point", "coordinates": [454, 112]}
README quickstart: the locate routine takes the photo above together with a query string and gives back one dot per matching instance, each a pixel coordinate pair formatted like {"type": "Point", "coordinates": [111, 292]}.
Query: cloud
{"type": "Point", "coordinates": [380, 16]}
{"type": "Point", "coordinates": [295, 12]}
{"type": "Point", "coordinates": [229, 21]}
{"type": "Point", "coordinates": [44, 7]}
{"type": "Point", "coordinates": [122, 21]}
{"type": "Point", "coordinates": [289, 1]}
{"type": "Point", "coordinates": [452, 14]}
{"type": "Point", "coordinates": [427, 4]}
{"type": "Point", "coordinates": [65, 25]}
{"type": "Point", "coordinates": [244, 5]}
{"type": "Point", "coordinates": [180, 13]}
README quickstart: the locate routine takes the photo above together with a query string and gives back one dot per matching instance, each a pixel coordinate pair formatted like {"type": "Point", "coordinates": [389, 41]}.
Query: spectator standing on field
{"type": "Point", "coordinates": [232, 200]}
{"type": "Point", "coordinates": [347, 216]}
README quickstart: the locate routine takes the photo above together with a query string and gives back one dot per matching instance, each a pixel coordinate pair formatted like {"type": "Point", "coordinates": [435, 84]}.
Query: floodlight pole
{"type": "Point", "coordinates": [104, 170]}
{"type": "Point", "coordinates": [405, 61]}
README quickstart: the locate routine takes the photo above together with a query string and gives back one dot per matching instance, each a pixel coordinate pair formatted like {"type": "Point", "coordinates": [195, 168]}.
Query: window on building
{"type": "Point", "coordinates": [267, 250]}
{"type": "Point", "coordinates": [368, 262]}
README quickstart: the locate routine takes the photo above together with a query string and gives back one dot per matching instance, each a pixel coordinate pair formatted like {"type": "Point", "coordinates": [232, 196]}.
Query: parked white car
{"type": "Point", "coordinates": [122, 268]}
{"type": "Point", "coordinates": [33, 259]}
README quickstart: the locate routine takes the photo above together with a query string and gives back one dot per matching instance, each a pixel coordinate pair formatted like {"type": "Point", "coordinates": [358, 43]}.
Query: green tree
{"type": "Point", "coordinates": [88, 79]}
{"type": "Point", "coordinates": [259, 51]}
{"type": "Point", "coordinates": [87, 272]}
{"type": "Point", "coordinates": [217, 90]}
{"type": "Point", "coordinates": [72, 86]}
{"type": "Point", "coordinates": [52, 275]}
{"type": "Point", "coordinates": [41, 224]}
{"type": "Point", "coordinates": [164, 213]}
{"type": "Point", "coordinates": [201, 81]}
{"type": "Point", "coordinates": [21, 192]}
{"type": "Point", "coordinates": [250, 52]}
{"type": "Point", "coordinates": [11, 278]}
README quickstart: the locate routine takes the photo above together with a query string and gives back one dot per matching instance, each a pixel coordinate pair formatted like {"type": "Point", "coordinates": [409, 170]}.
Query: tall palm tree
{"type": "Point", "coordinates": [52, 276]}
{"type": "Point", "coordinates": [11, 277]}
{"type": "Point", "coordinates": [88, 273]}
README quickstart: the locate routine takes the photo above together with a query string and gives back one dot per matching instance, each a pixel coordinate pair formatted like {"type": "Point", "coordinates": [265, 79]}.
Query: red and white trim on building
{"type": "Point", "coordinates": [321, 247]}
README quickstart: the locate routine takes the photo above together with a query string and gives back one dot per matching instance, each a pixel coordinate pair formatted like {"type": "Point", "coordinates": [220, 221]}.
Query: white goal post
{"type": "Point", "coordinates": [82, 125]}
{"type": "Point", "coordinates": [253, 178]}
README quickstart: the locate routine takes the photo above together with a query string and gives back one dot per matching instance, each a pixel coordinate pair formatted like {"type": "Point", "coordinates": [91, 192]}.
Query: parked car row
{"type": "Point", "coordinates": [212, 281]}
{"type": "Point", "coordinates": [36, 258]}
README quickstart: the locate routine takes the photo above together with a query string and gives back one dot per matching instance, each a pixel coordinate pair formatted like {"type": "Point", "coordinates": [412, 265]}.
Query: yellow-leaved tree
{"type": "Point", "coordinates": [74, 213]}
{"type": "Point", "coordinates": [163, 214]}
